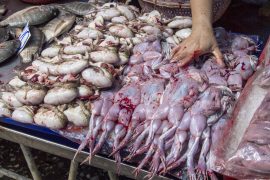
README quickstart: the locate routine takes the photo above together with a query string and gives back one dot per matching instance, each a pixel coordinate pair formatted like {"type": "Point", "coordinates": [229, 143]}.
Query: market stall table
{"type": "Point", "coordinates": [64, 150]}
{"type": "Point", "coordinates": [33, 136]}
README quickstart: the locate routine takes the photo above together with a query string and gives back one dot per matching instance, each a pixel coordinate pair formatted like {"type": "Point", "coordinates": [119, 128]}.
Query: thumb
{"type": "Point", "coordinates": [219, 57]}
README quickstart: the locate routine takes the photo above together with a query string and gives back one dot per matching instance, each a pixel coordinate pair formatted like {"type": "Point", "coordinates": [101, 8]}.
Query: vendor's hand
{"type": "Point", "coordinates": [201, 41]}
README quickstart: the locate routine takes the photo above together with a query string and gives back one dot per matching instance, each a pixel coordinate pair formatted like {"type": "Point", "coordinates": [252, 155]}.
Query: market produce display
{"type": "Point", "coordinates": [175, 111]}
{"type": "Point", "coordinates": [34, 15]}
{"type": "Point", "coordinates": [34, 46]}
{"type": "Point", "coordinates": [8, 49]}
{"type": "Point", "coordinates": [107, 68]}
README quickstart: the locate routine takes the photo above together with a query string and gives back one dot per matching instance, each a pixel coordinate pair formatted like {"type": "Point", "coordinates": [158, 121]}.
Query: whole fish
{"type": "Point", "coordinates": [79, 8]}
{"type": "Point", "coordinates": [8, 48]}
{"type": "Point", "coordinates": [33, 46]}
{"type": "Point", "coordinates": [4, 34]}
{"type": "Point", "coordinates": [14, 32]}
{"type": "Point", "coordinates": [58, 25]}
{"type": "Point", "coordinates": [35, 15]}
{"type": "Point", "coordinates": [3, 9]}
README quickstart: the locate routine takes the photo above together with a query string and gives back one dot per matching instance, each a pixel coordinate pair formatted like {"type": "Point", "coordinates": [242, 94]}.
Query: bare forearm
{"type": "Point", "coordinates": [202, 39]}
{"type": "Point", "coordinates": [201, 13]}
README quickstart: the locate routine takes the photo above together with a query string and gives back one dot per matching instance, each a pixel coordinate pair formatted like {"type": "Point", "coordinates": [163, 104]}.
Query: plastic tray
{"type": "Point", "coordinates": [37, 131]}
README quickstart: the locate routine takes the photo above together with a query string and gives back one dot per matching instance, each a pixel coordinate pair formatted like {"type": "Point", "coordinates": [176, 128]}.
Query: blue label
{"type": "Point", "coordinates": [24, 37]}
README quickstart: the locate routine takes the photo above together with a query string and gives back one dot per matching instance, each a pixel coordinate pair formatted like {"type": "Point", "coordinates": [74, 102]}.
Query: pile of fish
{"type": "Point", "coordinates": [112, 72]}
{"type": "Point", "coordinates": [50, 21]}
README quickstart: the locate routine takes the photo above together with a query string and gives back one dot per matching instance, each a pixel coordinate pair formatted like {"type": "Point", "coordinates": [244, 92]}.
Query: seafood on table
{"type": "Point", "coordinates": [24, 114]}
{"type": "Point", "coordinates": [78, 114]}
{"type": "Point", "coordinates": [110, 30]}
{"type": "Point", "coordinates": [33, 46]}
{"type": "Point", "coordinates": [50, 116]}
{"type": "Point", "coordinates": [78, 8]}
{"type": "Point", "coordinates": [34, 15]}
{"type": "Point", "coordinates": [172, 114]}
{"type": "Point", "coordinates": [30, 94]}
{"type": "Point", "coordinates": [51, 51]}
{"type": "Point", "coordinates": [106, 68]}
{"type": "Point", "coordinates": [4, 109]}
{"type": "Point", "coordinates": [57, 26]}
{"type": "Point", "coordinates": [3, 9]}
{"type": "Point", "coordinates": [8, 49]}
{"type": "Point", "coordinates": [4, 34]}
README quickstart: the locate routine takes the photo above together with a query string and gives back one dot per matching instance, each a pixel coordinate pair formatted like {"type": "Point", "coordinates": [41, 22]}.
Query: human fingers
{"type": "Point", "coordinates": [219, 57]}
{"type": "Point", "coordinates": [186, 60]}
{"type": "Point", "coordinates": [179, 55]}
{"type": "Point", "coordinates": [175, 50]}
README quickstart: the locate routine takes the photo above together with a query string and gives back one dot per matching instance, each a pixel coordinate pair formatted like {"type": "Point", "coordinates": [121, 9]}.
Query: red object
{"type": "Point", "coordinates": [228, 178]}
{"type": "Point", "coordinates": [39, 1]}
{"type": "Point", "coordinates": [265, 55]}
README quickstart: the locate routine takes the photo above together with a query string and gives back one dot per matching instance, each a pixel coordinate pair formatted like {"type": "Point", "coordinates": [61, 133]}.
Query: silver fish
{"type": "Point", "coordinates": [8, 48]}
{"type": "Point", "coordinates": [58, 26]}
{"type": "Point", "coordinates": [15, 32]}
{"type": "Point", "coordinates": [3, 9]}
{"type": "Point", "coordinates": [35, 15]}
{"type": "Point", "coordinates": [4, 34]}
{"type": "Point", "coordinates": [79, 8]}
{"type": "Point", "coordinates": [33, 46]}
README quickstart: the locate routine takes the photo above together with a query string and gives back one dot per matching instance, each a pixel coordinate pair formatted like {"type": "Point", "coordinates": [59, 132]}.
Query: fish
{"type": "Point", "coordinates": [14, 32]}
{"type": "Point", "coordinates": [58, 26]}
{"type": "Point", "coordinates": [79, 8]}
{"type": "Point", "coordinates": [34, 15]}
{"type": "Point", "coordinates": [33, 46]}
{"type": "Point", "coordinates": [8, 48]}
{"type": "Point", "coordinates": [3, 9]}
{"type": "Point", "coordinates": [4, 34]}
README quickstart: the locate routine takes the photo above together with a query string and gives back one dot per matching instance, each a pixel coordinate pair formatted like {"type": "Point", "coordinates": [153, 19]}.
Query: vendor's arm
{"type": "Point", "coordinates": [202, 39]}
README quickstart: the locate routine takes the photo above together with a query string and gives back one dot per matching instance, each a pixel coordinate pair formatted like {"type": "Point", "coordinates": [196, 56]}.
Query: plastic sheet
{"type": "Point", "coordinates": [241, 144]}
{"type": "Point", "coordinates": [264, 76]}
{"type": "Point", "coordinates": [252, 158]}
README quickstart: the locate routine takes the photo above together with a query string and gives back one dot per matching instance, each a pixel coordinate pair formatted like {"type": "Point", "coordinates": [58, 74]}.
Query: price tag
{"type": "Point", "coordinates": [24, 37]}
